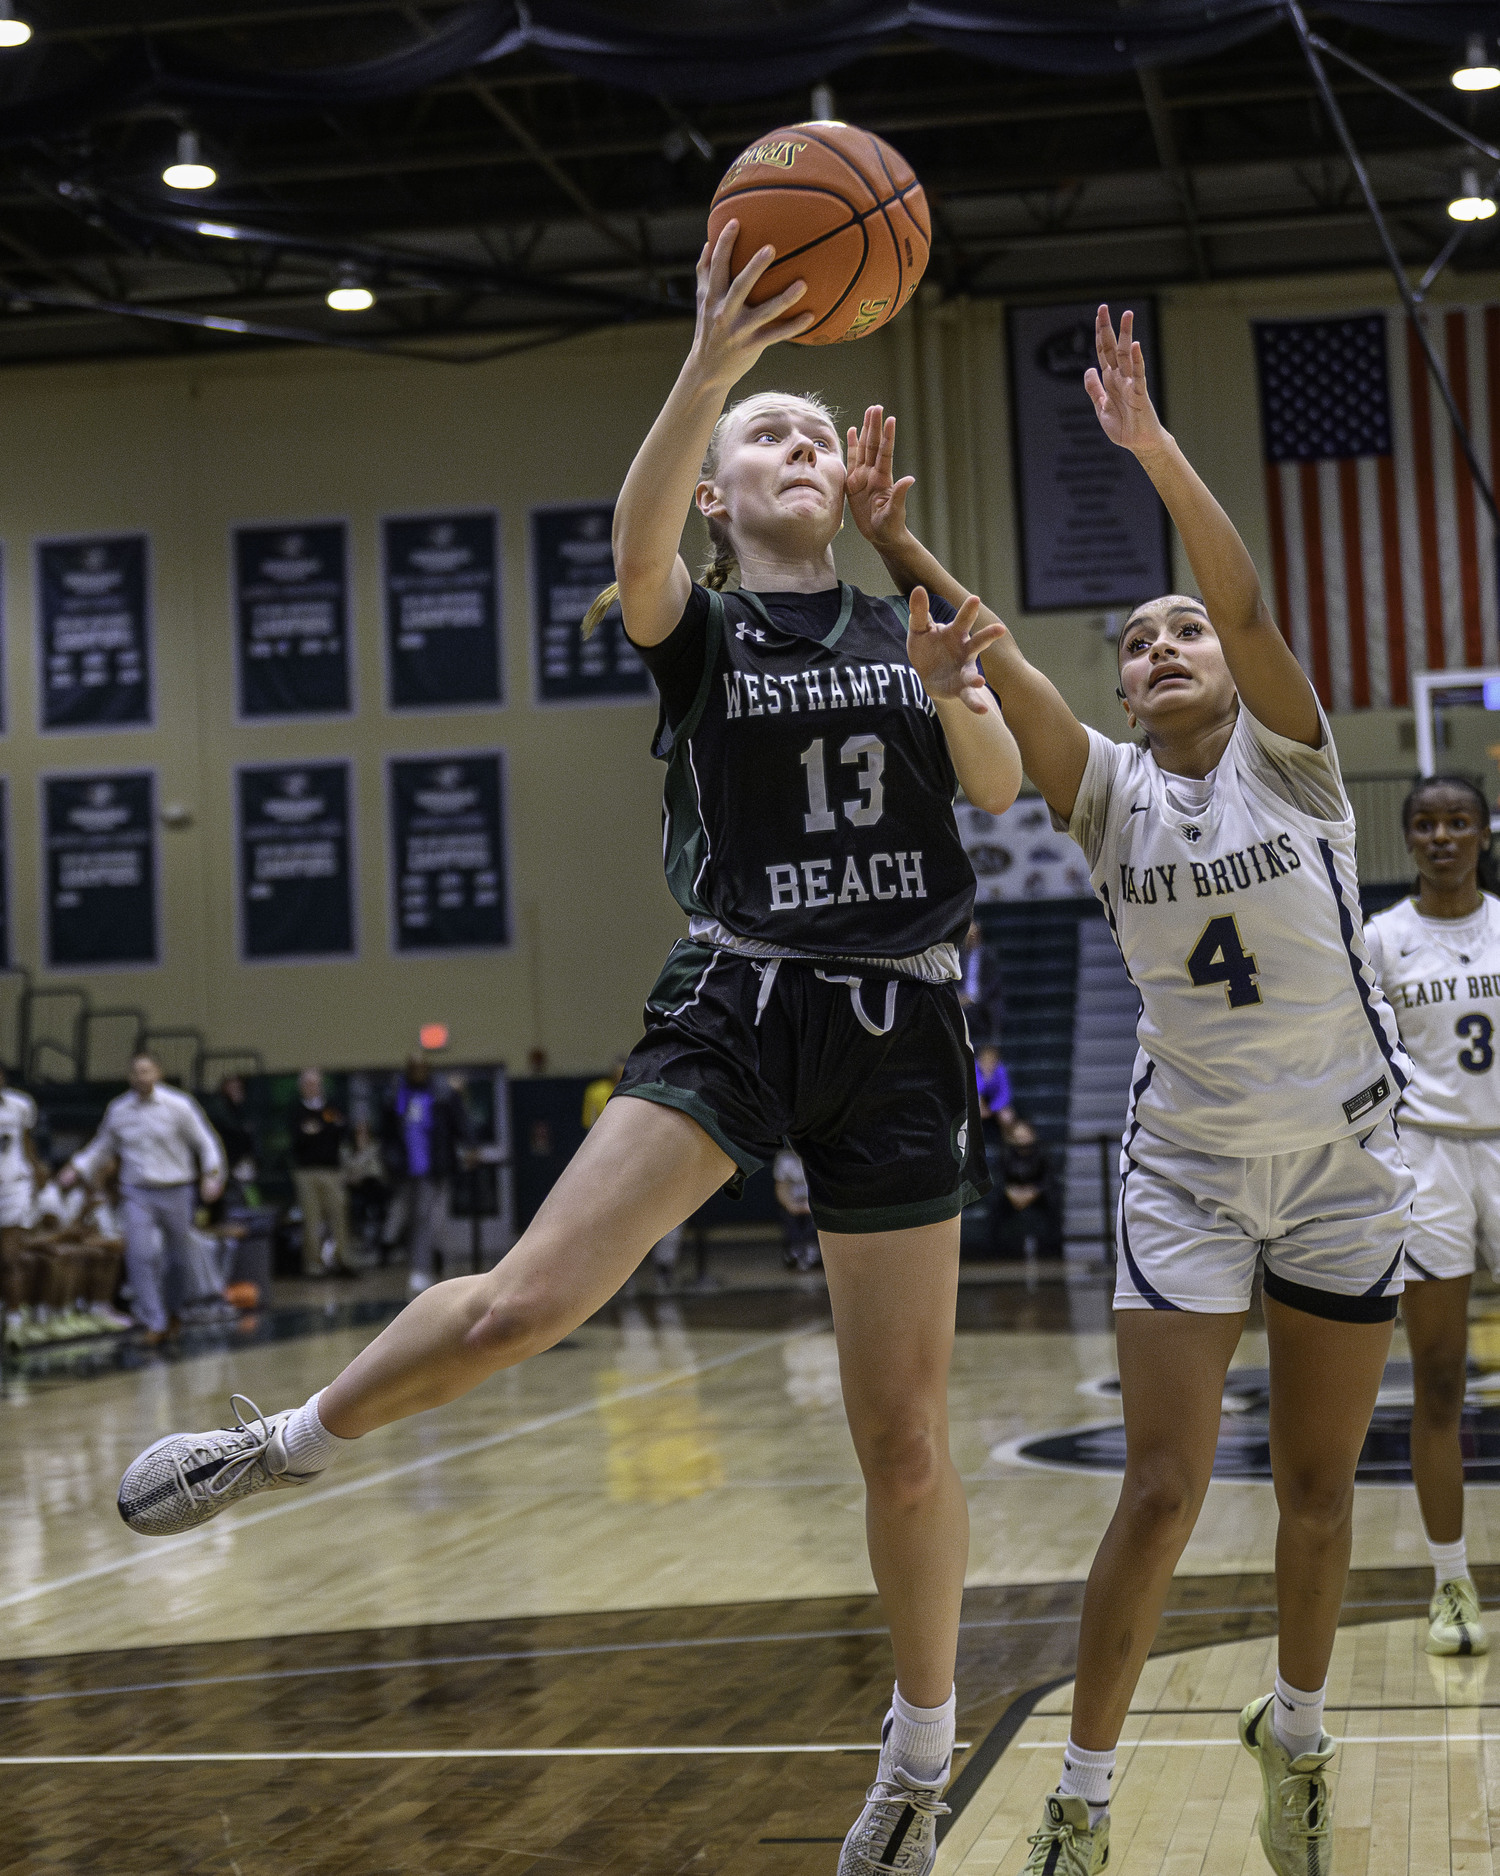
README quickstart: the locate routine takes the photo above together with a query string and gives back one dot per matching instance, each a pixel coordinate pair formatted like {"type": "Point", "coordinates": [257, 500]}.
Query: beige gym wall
{"type": "Point", "coordinates": [185, 450]}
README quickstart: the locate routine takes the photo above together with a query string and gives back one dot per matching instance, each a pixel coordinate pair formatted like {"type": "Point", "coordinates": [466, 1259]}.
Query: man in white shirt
{"type": "Point", "coordinates": [167, 1153]}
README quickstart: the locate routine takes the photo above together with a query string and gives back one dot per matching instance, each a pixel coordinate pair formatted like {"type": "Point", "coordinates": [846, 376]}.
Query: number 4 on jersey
{"type": "Point", "coordinates": [1220, 958]}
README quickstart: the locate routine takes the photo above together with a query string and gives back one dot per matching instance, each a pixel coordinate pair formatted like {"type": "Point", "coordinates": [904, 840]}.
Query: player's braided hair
{"type": "Point", "coordinates": [722, 565]}
{"type": "Point", "coordinates": [1488, 881]}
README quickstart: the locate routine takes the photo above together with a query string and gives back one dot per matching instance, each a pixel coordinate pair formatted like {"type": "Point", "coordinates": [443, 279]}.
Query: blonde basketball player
{"type": "Point", "coordinates": [814, 740]}
{"type": "Point", "coordinates": [1259, 1133]}
{"type": "Point", "coordinates": [1438, 959]}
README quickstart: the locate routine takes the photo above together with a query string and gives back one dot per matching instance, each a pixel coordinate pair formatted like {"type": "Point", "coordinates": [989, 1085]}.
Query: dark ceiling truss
{"type": "Point", "coordinates": [516, 197]}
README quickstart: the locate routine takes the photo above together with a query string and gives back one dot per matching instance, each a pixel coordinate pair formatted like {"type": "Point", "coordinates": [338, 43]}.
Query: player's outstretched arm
{"type": "Point", "coordinates": [946, 658]}
{"type": "Point", "coordinates": [729, 337]}
{"type": "Point", "coordinates": [1267, 676]}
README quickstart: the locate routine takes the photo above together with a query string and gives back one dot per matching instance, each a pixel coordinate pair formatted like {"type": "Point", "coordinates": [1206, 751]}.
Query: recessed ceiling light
{"type": "Point", "coordinates": [189, 171]}
{"type": "Point", "coordinates": [13, 32]}
{"type": "Point", "coordinates": [1476, 73]}
{"type": "Point", "coordinates": [351, 295]}
{"type": "Point", "coordinates": [1471, 205]}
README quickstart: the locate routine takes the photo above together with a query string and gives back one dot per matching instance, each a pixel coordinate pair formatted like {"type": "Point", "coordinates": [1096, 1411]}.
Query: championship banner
{"type": "Point", "coordinates": [448, 858]}
{"type": "Point", "coordinates": [571, 563]}
{"type": "Point", "coordinates": [99, 841]}
{"type": "Point", "coordinates": [93, 614]}
{"type": "Point", "coordinates": [442, 610]}
{"type": "Point", "coordinates": [1093, 533]}
{"type": "Point", "coordinates": [291, 608]}
{"type": "Point", "coordinates": [295, 861]}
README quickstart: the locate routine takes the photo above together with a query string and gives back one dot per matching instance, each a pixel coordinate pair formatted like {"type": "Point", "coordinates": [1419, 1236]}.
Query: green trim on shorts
{"type": "Point", "coordinates": [897, 1217]}
{"type": "Point", "coordinates": [664, 1094]}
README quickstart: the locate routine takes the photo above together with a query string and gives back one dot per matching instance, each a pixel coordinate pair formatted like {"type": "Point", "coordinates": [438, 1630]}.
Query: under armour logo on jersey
{"type": "Point", "coordinates": [1190, 832]}
{"type": "Point", "coordinates": [750, 631]}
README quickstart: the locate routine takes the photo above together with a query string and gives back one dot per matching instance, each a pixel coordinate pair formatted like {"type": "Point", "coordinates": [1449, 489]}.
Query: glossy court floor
{"type": "Point", "coordinates": [612, 1613]}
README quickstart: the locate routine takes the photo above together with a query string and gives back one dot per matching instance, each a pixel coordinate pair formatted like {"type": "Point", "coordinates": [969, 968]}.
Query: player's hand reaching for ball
{"type": "Point", "coordinates": [946, 657]}
{"type": "Point", "coordinates": [1121, 401]}
{"type": "Point", "coordinates": [876, 500]}
{"type": "Point", "coordinates": [731, 334]}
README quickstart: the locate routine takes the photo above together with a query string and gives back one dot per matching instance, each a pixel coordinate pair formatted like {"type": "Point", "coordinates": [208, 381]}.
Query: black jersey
{"type": "Point", "coordinates": [809, 790]}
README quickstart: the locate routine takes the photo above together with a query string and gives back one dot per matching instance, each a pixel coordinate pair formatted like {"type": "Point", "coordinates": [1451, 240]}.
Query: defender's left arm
{"type": "Point", "coordinates": [1270, 681]}
{"type": "Point", "coordinates": [946, 658]}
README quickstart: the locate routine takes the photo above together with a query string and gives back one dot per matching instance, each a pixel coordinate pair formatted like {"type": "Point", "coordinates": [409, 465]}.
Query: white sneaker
{"type": "Point", "coordinates": [188, 1478]}
{"type": "Point", "coordinates": [1296, 1812]}
{"type": "Point", "coordinates": [1067, 1844]}
{"type": "Point", "coordinates": [1454, 1623]}
{"type": "Point", "coordinates": [896, 1833]}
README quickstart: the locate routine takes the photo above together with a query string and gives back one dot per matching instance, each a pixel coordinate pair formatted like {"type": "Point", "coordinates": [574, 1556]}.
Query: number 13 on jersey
{"type": "Point", "coordinates": [1220, 958]}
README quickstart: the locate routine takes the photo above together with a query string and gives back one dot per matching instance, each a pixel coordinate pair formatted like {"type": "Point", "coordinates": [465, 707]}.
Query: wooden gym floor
{"type": "Point", "coordinates": [611, 1613]}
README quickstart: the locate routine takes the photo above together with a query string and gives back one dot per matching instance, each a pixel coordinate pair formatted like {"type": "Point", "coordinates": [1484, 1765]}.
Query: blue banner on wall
{"type": "Point", "coordinates": [99, 837]}
{"type": "Point", "coordinates": [571, 562]}
{"type": "Point", "coordinates": [295, 854]}
{"type": "Point", "coordinates": [448, 860]}
{"type": "Point", "coordinates": [442, 610]}
{"type": "Point", "coordinates": [291, 607]}
{"type": "Point", "coordinates": [93, 607]}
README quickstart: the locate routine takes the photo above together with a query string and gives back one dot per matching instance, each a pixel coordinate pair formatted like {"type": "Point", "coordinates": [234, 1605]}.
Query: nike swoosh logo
{"type": "Point", "coordinates": [1407, 950]}
{"type": "Point", "coordinates": [1140, 807]}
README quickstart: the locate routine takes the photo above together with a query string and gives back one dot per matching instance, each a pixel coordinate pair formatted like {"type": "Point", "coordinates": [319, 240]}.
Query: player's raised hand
{"type": "Point", "coordinates": [1118, 387]}
{"type": "Point", "coordinates": [731, 334]}
{"type": "Point", "coordinates": [876, 500]}
{"type": "Point", "coordinates": [946, 657]}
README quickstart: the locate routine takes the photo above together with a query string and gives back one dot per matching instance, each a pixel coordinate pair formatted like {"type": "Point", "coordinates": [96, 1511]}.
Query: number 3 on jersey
{"type": "Point", "coordinates": [1479, 1055]}
{"type": "Point", "coordinates": [1220, 958]}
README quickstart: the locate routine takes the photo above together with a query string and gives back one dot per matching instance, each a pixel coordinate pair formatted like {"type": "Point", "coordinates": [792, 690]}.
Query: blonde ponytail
{"type": "Point", "coordinates": [597, 611]}
{"type": "Point", "coordinates": [722, 564]}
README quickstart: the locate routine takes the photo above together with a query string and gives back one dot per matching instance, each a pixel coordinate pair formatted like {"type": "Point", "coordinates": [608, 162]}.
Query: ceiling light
{"type": "Point", "coordinates": [221, 229]}
{"type": "Point", "coordinates": [1471, 205]}
{"type": "Point", "coordinates": [13, 32]}
{"type": "Point", "coordinates": [189, 171]}
{"type": "Point", "coordinates": [1476, 73]}
{"type": "Point", "coordinates": [351, 295]}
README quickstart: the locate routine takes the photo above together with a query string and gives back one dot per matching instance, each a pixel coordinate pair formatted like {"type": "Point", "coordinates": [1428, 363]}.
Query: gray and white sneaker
{"type": "Point", "coordinates": [188, 1478]}
{"type": "Point", "coordinates": [896, 1833]}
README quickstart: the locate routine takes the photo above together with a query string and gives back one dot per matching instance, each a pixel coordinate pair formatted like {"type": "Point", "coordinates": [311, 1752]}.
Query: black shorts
{"type": "Point", "coordinates": [869, 1076]}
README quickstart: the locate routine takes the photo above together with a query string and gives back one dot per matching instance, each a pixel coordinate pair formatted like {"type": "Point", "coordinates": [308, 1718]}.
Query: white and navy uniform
{"type": "Point", "coordinates": [1441, 976]}
{"type": "Point", "coordinates": [1259, 1128]}
{"type": "Point", "coordinates": [17, 1176]}
{"type": "Point", "coordinates": [810, 839]}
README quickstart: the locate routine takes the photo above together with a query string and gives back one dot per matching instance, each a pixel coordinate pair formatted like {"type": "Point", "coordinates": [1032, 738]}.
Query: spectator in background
{"type": "Point", "coordinates": [165, 1147]}
{"type": "Point", "coordinates": [994, 1093]}
{"type": "Point", "coordinates": [798, 1232]}
{"type": "Point", "coordinates": [424, 1132]}
{"type": "Point", "coordinates": [364, 1177]}
{"type": "Point", "coordinates": [979, 988]}
{"type": "Point", "coordinates": [1025, 1215]}
{"type": "Point", "coordinates": [319, 1131]}
{"type": "Point", "coordinates": [230, 1114]}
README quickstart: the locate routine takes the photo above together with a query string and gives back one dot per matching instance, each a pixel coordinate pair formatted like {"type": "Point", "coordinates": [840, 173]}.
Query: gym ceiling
{"type": "Point", "coordinates": [515, 200]}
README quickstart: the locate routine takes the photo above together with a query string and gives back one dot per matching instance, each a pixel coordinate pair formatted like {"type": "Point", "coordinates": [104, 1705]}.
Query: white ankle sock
{"type": "Point", "coordinates": [1297, 1717]}
{"type": "Point", "coordinates": [310, 1447]}
{"type": "Point", "coordinates": [1449, 1561]}
{"type": "Point", "coordinates": [921, 1738]}
{"type": "Point", "coordinates": [1086, 1775]}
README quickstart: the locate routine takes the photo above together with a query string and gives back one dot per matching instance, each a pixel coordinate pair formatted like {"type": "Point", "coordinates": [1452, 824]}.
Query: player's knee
{"type": "Point", "coordinates": [901, 1461]}
{"type": "Point", "coordinates": [514, 1325]}
{"type": "Point", "coordinates": [1438, 1387]}
{"type": "Point", "coordinates": [1317, 1502]}
{"type": "Point", "coordinates": [1159, 1500]}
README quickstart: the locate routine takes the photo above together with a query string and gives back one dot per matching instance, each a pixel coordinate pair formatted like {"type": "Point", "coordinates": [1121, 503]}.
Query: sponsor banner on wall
{"type": "Point", "coordinates": [93, 609]}
{"type": "Point", "coordinates": [291, 609]}
{"type": "Point", "coordinates": [448, 856]}
{"type": "Point", "coordinates": [1092, 531]}
{"type": "Point", "coordinates": [1020, 855]}
{"type": "Point", "coordinates": [99, 854]}
{"type": "Point", "coordinates": [295, 861]}
{"type": "Point", "coordinates": [571, 562]}
{"type": "Point", "coordinates": [442, 610]}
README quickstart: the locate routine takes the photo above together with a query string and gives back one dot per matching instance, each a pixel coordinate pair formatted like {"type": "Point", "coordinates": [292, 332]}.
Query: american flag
{"type": "Point", "coordinates": [1382, 549]}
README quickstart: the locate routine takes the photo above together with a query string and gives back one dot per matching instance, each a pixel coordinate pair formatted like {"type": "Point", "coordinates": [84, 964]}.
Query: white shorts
{"type": "Point", "coordinates": [1456, 1213]}
{"type": "Point", "coordinates": [17, 1202]}
{"type": "Point", "coordinates": [1328, 1224]}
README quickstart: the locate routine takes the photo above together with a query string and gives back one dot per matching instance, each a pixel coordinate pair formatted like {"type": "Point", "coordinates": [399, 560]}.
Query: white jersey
{"type": "Point", "coordinates": [1442, 978]}
{"type": "Point", "coordinates": [1235, 904]}
{"type": "Point", "coordinates": [17, 1118]}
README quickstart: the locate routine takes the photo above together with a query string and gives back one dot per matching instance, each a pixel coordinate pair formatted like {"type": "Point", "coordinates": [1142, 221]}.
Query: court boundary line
{"type": "Point", "coordinates": [298, 1500]}
{"type": "Point", "coordinates": [431, 1752]}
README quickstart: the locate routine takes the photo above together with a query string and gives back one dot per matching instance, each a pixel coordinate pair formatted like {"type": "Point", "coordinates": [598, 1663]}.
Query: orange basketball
{"type": "Point", "coordinates": [843, 211]}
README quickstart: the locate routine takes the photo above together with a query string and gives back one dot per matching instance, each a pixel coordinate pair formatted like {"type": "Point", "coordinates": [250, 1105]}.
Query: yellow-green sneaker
{"type": "Point", "coordinates": [1296, 1813]}
{"type": "Point", "coordinates": [1065, 1845]}
{"type": "Point", "coordinates": [1455, 1626]}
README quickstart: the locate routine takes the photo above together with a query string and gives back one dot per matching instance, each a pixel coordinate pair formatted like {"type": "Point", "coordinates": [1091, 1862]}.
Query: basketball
{"type": "Point", "coordinates": [844, 212]}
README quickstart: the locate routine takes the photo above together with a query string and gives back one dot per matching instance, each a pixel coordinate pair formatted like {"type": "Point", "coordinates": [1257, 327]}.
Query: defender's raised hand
{"type": "Point", "coordinates": [876, 500]}
{"type": "Point", "coordinates": [946, 657]}
{"type": "Point", "coordinates": [1121, 401]}
{"type": "Point", "coordinates": [731, 334]}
